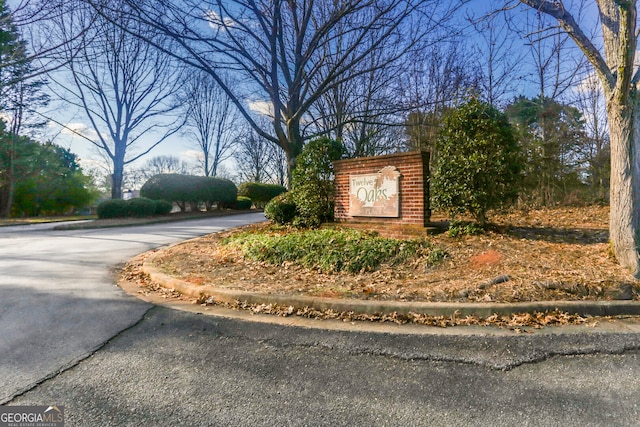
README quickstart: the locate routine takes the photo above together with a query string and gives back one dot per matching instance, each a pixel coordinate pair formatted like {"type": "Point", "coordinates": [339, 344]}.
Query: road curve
{"type": "Point", "coordinates": [58, 299]}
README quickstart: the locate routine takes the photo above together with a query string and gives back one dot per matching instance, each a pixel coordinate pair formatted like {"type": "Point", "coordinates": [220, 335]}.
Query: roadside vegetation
{"type": "Point", "coordinates": [331, 250]}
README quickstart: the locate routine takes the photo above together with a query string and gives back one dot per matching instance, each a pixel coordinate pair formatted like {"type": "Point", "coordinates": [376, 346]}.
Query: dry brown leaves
{"type": "Point", "coordinates": [552, 254]}
{"type": "Point", "coordinates": [542, 255]}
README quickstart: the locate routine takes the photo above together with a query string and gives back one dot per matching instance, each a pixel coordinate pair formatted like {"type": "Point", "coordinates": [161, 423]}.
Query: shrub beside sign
{"type": "Point", "coordinates": [375, 195]}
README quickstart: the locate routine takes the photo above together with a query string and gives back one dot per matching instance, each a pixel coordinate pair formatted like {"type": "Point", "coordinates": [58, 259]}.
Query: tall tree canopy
{"type": "Point", "coordinates": [285, 54]}
{"type": "Point", "coordinates": [552, 136]}
{"type": "Point", "coordinates": [16, 90]}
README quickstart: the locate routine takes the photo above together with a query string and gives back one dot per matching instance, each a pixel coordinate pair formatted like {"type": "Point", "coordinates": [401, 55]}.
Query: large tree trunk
{"type": "Point", "coordinates": [117, 180]}
{"type": "Point", "coordinates": [6, 198]}
{"type": "Point", "coordinates": [624, 225]}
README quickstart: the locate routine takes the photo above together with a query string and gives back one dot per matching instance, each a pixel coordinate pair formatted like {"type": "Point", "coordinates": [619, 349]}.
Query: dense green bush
{"type": "Point", "coordinates": [48, 178]}
{"type": "Point", "coordinates": [312, 181]}
{"type": "Point", "coordinates": [138, 207]}
{"type": "Point", "coordinates": [260, 193]}
{"type": "Point", "coordinates": [163, 207]}
{"type": "Point", "coordinates": [243, 203]}
{"type": "Point", "coordinates": [141, 207]}
{"type": "Point", "coordinates": [115, 208]}
{"type": "Point", "coordinates": [479, 163]}
{"type": "Point", "coordinates": [282, 209]}
{"type": "Point", "coordinates": [185, 190]}
{"type": "Point", "coordinates": [331, 250]}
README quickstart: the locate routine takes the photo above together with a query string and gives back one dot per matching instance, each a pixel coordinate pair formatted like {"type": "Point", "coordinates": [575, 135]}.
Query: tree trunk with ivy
{"type": "Point", "coordinates": [615, 70]}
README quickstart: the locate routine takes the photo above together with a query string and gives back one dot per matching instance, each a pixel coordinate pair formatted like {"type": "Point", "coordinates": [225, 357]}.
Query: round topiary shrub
{"type": "Point", "coordinates": [221, 192]}
{"type": "Point", "coordinates": [163, 207]}
{"type": "Point", "coordinates": [260, 193]}
{"type": "Point", "coordinates": [282, 209]}
{"type": "Point", "coordinates": [243, 203]}
{"type": "Point", "coordinates": [185, 190]}
{"type": "Point", "coordinates": [115, 208]}
{"type": "Point", "coordinates": [141, 207]}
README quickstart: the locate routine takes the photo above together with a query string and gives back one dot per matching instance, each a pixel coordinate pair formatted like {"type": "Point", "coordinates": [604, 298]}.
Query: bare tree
{"type": "Point", "coordinates": [212, 121]}
{"type": "Point", "coordinates": [164, 164]}
{"type": "Point", "coordinates": [258, 159]}
{"type": "Point", "coordinates": [499, 58]}
{"type": "Point", "coordinates": [155, 166]}
{"type": "Point", "coordinates": [123, 84]}
{"type": "Point", "coordinates": [438, 79]}
{"type": "Point", "coordinates": [362, 111]}
{"type": "Point", "coordinates": [277, 48]}
{"type": "Point", "coordinates": [589, 98]}
{"type": "Point", "coordinates": [614, 65]}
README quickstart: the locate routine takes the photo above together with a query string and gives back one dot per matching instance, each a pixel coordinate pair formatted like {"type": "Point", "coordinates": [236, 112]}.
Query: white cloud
{"type": "Point", "coordinates": [216, 21]}
{"type": "Point", "coordinates": [192, 155]}
{"type": "Point", "coordinates": [75, 129]}
{"type": "Point", "coordinates": [262, 107]}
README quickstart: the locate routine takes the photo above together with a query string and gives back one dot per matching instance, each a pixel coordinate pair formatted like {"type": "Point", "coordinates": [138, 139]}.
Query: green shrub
{"type": "Point", "coordinates": [141, 207]}
{"type": "Point", "coordinates": [312, 181]}
{"type": "Point", "coordinates": [243, 203]}
{"type": "Point", "coordinates": [329, 250]}
{"type": "Point", "coordinates": [281, 210]}
{"type": "Point", "coordinates": [185, 190]}
{"type": "Point", "coordinates": [260, 193]}
{"type": "Point", "coordinates": [219, 191]}
{"type": "Point", "coordinates": [479, 165]}
{"type": "Point", "coordinates": [163, 207]}
{"type": "Point", "coordinates": [115, 208]}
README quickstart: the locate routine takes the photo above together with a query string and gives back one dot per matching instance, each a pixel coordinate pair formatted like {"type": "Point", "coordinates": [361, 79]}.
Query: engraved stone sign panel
{"type": "Point", "coordinates": [375, 195]}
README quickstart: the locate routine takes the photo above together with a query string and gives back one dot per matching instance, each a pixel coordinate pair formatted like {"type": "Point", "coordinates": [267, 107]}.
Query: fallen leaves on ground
{"type": "Point", "coordinates": [538, 255]}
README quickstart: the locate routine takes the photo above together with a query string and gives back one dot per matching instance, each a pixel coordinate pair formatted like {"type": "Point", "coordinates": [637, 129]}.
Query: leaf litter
{"type": "Point", "coordinates": [558, 254]}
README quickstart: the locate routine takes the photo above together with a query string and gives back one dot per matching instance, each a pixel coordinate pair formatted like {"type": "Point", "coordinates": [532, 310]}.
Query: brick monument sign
{"type": "Point", "coordinates": [391, 190]}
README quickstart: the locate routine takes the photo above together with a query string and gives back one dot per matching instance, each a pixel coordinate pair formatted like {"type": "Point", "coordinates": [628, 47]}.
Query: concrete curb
{"type": "Point", "coordinates": [371, 307]}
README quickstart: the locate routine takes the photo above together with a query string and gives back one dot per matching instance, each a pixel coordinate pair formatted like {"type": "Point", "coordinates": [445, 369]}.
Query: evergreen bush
{"type": "Point", "coordinates": [163, 207]}
{"type": "Point", "coordinates": [190, 190]}
{"type": "Point", "coordinates": [260, 193]}
{"type": "Point", "coordinates": [141, 207]}
{"type": "Point", "coordinates": [281, 209]}
{"type": "Point", "coordinates": [115, 208]}
{"type": "Point", "coordinates": [243, 203]}
{"type": "Point", "coordinates": [479, 164]}
{"type": "Point", "coordinates": [312, 182]}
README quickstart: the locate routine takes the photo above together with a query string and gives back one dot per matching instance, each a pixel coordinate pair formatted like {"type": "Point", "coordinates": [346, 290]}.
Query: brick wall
{"type": "Point", "coordinates": [414, 187]}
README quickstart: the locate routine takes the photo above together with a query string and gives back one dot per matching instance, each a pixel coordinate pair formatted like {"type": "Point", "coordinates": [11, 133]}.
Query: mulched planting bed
{"type": "Point", "coordinates": [536, 255]}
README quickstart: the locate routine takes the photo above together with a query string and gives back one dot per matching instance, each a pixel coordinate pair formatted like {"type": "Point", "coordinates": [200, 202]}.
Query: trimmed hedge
{"type": "Point", "coordinates": [141, 207]}
{"type": "Point", "coordinates": [190, 190]}
{"type": "Point", "coordinates": [116, 208]}
{"type": "Point", "coordinates": [163, 207]}
{"type": "Point", "coordinates": [260, 193]}
{"type": "Point", "coordinates": [243, 203]}
{"type": "Point", "coordinates": [138, 207]}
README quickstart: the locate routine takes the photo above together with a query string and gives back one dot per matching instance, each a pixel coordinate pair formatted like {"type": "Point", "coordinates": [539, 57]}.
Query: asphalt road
{"type": "Point", "coordinates": [162, 367]}
{"type": "Point", "coordinates": [58, 299]}
{"type": "Point", "coordinates": [183, 369]}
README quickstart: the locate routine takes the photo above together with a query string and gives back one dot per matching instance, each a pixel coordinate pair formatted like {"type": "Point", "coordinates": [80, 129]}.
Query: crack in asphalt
{"type": "Point", "coordinates": [74, 362]}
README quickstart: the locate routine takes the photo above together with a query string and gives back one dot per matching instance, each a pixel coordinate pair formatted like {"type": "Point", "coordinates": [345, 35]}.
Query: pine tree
{"type": "Point", "coordinates": [17, 91]}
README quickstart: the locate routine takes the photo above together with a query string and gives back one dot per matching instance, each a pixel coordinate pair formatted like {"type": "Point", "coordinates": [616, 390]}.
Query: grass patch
{"type": "Point", "coordinates": [330, 250]}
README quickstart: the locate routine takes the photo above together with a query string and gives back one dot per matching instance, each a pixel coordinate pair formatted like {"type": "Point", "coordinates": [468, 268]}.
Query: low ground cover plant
{"type": "Point", "coordinates": [329, 250]}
